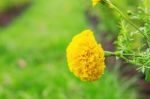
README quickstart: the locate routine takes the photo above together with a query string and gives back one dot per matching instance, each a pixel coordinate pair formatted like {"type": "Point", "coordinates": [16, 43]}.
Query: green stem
{"type": "Point", "coordinates": [118, 54]}
{"type": "Point", "coordinates": [108, 53]}
{"type": "Point", "coordinates": [121, 55]}
{"type": "Point", "coordinates": [111, 5]}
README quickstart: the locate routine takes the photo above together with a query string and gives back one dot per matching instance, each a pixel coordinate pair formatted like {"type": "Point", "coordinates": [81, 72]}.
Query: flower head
{"type": "Point", "coordinates": [85, 57]}
{"type": "Point", "coordinates": [94, 2]}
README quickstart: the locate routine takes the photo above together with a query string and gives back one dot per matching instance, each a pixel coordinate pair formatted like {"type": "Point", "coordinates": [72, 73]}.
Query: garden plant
{"type": "Point", "coordinates": [86, 57]}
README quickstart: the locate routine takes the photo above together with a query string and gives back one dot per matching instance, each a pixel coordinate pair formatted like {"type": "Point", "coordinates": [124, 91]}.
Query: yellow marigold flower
{"type": "Point", "coordinates": [85, 57]}
{"type": "Point", "coordinates": [94, 2]}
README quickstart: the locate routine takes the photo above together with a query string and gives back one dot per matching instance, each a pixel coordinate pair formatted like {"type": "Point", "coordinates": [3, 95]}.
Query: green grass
{"type": "Point", "coordinates": [39, 37]}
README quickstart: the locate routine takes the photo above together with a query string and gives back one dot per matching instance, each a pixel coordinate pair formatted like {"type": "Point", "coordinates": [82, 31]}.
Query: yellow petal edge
{"type": "Point", "coordinates": [95, 2]}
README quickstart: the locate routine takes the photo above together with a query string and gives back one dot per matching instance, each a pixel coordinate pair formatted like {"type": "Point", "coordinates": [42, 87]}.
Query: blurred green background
{"type": "Point", "coordinates": [33, 50]}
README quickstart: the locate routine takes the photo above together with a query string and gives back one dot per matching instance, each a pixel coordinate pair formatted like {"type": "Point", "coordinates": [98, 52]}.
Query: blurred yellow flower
{"type": "Point", "coordinates": [85, 57]}
{"type": "Point", "coordinates": [94, 2]}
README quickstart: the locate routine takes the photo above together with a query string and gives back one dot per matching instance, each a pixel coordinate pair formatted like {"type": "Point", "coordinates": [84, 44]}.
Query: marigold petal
{"type": "Point", "coordinates": [85, 57]}
{"type": "Point", "coordinates": [94, 2]}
